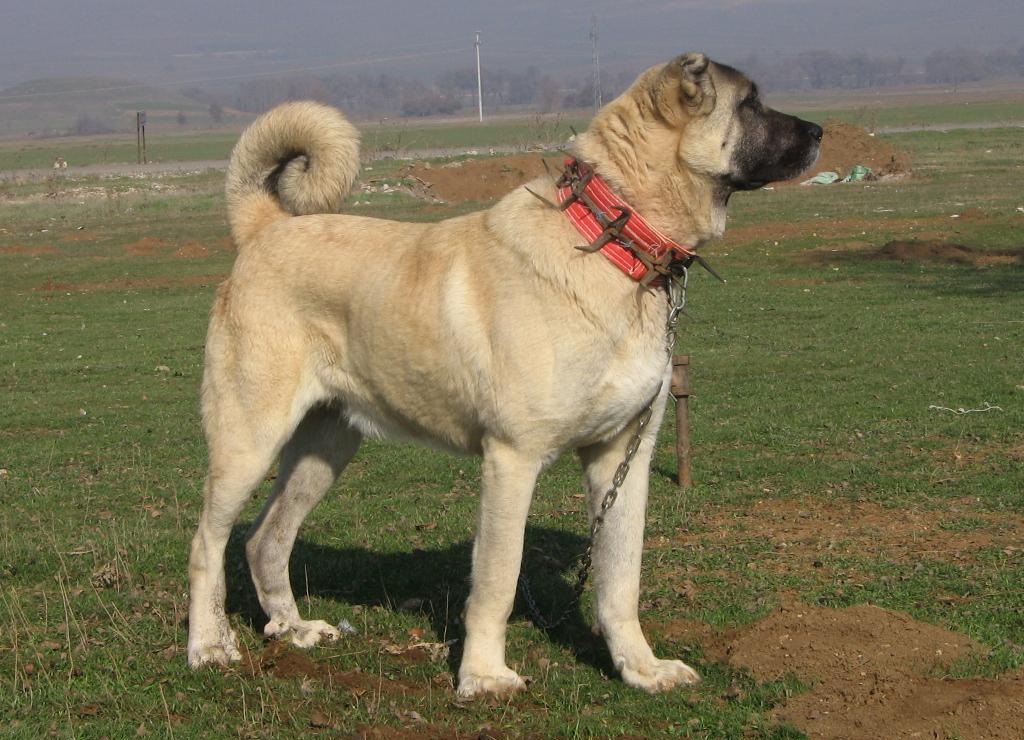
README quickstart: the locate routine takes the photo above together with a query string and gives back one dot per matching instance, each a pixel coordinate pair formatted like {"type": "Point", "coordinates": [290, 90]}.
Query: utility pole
{"type": "Point", "coordinates": [597, 64]}
{"type": "Point", "coordinates": [479, 82]}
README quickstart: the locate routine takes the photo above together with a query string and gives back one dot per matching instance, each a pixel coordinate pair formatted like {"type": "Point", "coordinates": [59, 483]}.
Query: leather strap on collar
{"type": "Point", "coordinates": [629, 241]}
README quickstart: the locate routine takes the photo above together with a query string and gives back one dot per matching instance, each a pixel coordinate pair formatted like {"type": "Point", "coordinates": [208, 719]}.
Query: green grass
{"type": "Point", "coordinates": [813, 380]}
{"type": "Point", "coordinates": [934, 114]}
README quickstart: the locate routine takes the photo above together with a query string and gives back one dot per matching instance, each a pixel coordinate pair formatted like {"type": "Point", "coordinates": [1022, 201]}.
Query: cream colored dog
{"type": "Point", "coordinates": [487, 334]}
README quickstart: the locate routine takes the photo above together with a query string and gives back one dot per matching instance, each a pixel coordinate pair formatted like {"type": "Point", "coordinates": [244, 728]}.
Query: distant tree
{"type": "Point", "coordinates": [549, 94]}
{"type": "Point", "coordinates": [216, 112]}
{"type": "Point", "coordinates": [182, 120]}
{"type": "Point", "coordinates": [582, 98]}
{"type": "Point", "coordinates": [458, 81]}
{"type": "Point", "coordinates": [86, 125]}
{"type": "Point", "coordinates": [429, 103]}
{"type": "Point", "coordinates": [954, 66]}
{"type": "Point", "coordinates": [1001, 64]}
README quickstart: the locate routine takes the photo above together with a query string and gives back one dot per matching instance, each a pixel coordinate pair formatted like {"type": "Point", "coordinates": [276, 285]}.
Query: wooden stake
{"type": "Point", "coordinates": [680, 390]}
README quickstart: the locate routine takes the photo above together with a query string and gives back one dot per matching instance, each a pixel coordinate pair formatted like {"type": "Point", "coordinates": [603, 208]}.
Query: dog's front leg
{"type": "Point", "coordinates": [617, 554]}
{"type": "Point", "coordinates": [507, 488]}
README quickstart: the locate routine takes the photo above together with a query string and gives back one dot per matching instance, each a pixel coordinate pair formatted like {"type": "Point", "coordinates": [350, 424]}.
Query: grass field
{"type": "Point", "coordinates": [816, 368]}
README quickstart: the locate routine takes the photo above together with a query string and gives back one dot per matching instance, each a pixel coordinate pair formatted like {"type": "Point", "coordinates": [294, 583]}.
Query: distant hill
{"type": "Point", "coordinates": [95, 105]}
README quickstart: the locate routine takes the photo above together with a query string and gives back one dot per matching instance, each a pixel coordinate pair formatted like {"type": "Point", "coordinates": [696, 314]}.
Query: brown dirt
{"type": "Point", "coordinates": [53, 286]}
{"type": "Point", "coordinates": [937, 251]}
{"type": "Point", "coordinates": [874, 674]}
{"type": "Point", "coordinates": [29, 250]}
{"type": "Point", "coordinates": [846, 145]}
{"type": "Point", "coordinates": [802, 532]}
{"type": "Point", "coordinates": [192, 250]}
{"type": "Point", "coordinates": [282, 661]}
{"type": "Point", "coordinates": [484, 179]}
{"type": "Point", "coordinates": [921, 249]}
{"type": "Point", "coordinates": [145, 247]}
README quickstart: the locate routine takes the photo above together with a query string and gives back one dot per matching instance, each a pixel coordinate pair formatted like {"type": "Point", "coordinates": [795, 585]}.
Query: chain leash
{"type": "Point", "coordinates": [676, 286]}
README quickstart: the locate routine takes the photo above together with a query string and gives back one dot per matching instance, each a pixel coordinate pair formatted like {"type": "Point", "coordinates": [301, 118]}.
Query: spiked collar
{"type": "Point", "coordinates": [613, 228]}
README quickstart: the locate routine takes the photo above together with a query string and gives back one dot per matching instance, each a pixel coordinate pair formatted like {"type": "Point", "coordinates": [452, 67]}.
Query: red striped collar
{"type": "Point", "coordinates": [623, 236]}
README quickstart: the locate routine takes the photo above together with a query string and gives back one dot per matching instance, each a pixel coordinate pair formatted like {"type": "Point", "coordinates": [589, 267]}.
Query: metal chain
{"type": "Point", "coordinates": [676, 290]}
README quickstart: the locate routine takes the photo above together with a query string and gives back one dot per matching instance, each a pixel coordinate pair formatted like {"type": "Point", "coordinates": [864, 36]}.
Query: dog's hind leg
{"type": "Point", "coordinates": [253, 398]}
{"type": "Point", "coordinates": [617, 554]}
{"type": "Point", "coordinates": [507, 488]}
{"type": "Point", "coordinates": [311, 461]}
{"type": "Point", "coordinates": [238, 462]}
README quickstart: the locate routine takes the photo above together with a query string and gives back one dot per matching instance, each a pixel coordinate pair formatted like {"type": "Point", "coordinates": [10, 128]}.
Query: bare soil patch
{"type": "Point", "coordinates": [32, 250]}
{"type": "Point", "coordinates": [876, 673]}
{"type": "Point", "coordinates": [872, 673]}
{"type": "Point", "coordinates": [192, 250]}
{"type": "Point", "coordinates": [846, 145]}
{"type": "Point", "coordinates": [480, 179]}
{"type": "Point", "coordinates": [280, 660]}
{"type": "Point", "coordinates": [803, 532]}
{"type": "Point", "coordinates": [145, 247]}
{"type": "Point", "coordinates": [937, 251]}
{"type": "Point", "coordinates": [53, 286]}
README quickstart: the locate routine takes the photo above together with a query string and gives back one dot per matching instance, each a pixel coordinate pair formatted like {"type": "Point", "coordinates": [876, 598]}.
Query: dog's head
{"type": "Point", "coordinates": [723, 109]}
{"type": "Point", "coordinates": [699, 129]}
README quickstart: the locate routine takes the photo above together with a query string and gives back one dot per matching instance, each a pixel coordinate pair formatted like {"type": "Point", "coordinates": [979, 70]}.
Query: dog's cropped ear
{"type": "Point", "coordinates": [696, 88]}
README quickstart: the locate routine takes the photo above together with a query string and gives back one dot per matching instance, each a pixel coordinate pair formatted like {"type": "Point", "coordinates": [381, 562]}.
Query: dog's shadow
{"type": "Point", "coordinates": [432, 582]}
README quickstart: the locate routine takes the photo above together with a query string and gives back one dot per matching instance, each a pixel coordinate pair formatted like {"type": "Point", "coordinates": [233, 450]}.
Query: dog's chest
{"type": "Point", "coordinates": [621, 392]}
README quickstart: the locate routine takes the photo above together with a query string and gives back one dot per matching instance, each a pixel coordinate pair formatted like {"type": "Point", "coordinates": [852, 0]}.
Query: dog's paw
{"type": "Point", "coordinates": [220, 652]}
{"type": "Point", "coordinates": [506, 683]}
{"type": "Point", "coordinates": [302, 633]}
{"type": "Point", "coordinates": [660, 675]}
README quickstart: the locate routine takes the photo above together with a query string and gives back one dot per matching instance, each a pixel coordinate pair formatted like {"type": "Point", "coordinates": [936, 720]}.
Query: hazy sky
{"type": "Point", "coordinates": [199, 40]}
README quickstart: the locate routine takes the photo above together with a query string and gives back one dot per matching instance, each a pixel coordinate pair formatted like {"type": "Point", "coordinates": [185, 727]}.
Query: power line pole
{"type": "Point", "coordinates": [597, 64]}
{"type": "Point", "coordinates": [479, 82]}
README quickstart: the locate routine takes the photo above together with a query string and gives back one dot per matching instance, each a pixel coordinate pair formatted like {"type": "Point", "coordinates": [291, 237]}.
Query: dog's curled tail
{"type": "Point", "coordinates": [296, 159]}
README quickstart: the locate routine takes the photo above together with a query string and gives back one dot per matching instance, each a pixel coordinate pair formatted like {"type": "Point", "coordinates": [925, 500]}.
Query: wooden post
{"type": "Point", "coordinates": [680, 390]}
{"type": "Point", "coordinates": [140, 135]}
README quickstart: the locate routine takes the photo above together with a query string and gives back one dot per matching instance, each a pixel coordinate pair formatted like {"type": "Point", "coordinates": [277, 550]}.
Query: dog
{"type": "Point", "coordinates": [489, 334]}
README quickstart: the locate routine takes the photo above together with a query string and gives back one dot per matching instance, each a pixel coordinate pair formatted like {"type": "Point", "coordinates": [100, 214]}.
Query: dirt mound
{"type": "Point", "coordinates": [935, 251]}
{"type": "Point", "coordinates": [192, 249]}
{"type": "Point", "coordinates": [480, 179]}
{"type": "Point", "coordinates": [843, 644]}
{"type": "Point", "coordinates": [846, 145]}
{"type": "Point", "coordinates": [32, 250]}
{"type": "Point", "coordinates": [873, 675]}
{"type": "Point", "coordinates": [145, 247]}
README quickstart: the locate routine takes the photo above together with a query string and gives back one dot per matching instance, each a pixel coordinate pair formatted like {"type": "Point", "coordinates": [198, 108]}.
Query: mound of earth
{"type": "Point", "coordinates": [480, 179]}
{"type": "Point", "coordinates": [845, 145]}
{"type": "Point", "coordinates": [936, 251]}
{"type": "Point", "coordinates": [874, 673]}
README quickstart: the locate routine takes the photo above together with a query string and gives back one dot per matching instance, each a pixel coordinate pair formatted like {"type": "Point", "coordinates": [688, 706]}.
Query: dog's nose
{"type": "Point", "coordinates": [815, 130]}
